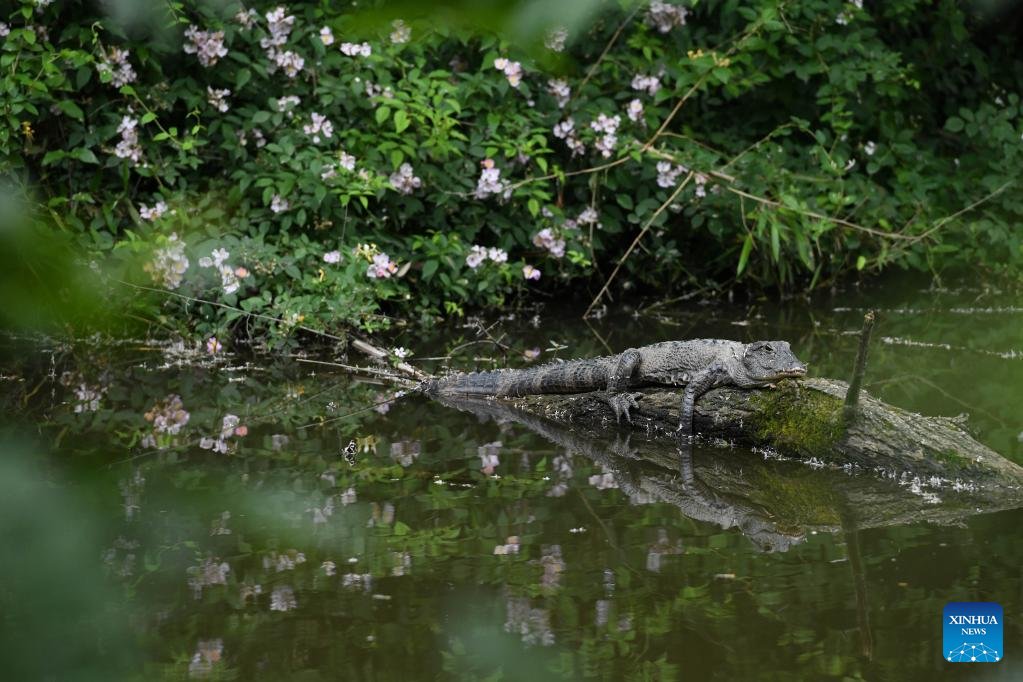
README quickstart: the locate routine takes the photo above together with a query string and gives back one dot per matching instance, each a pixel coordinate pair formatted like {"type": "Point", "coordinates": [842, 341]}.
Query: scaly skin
{"type": "Point", "coordinates": [699, 365]}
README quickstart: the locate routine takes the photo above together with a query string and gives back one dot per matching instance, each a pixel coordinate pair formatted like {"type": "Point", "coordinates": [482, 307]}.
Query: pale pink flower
{"type": "Point", "coordinates": [382, 267]}
{"type": "Point", "coordinates": [208, 46]}
{"type": "Point", "coordinates": [319, 126]}
{"type": "Point", "coordinates": [158, 209]}
{"type": "Point", "coordinates": [401, 33]}
{"type": "Point", "coordinates": [218, 99]}
{"type": "Point", "coordinates": [529, 272]}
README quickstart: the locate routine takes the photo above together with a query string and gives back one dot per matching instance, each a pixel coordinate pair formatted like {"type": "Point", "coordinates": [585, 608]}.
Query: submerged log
{"type": "Point", "coordinates": [802, 419]}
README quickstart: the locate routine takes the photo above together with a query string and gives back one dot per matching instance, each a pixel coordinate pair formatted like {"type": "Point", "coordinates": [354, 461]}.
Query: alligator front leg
{"type": "Point", "coordinates": [618, 397]}
{"type": "Point", "coordinates": [700, 383]}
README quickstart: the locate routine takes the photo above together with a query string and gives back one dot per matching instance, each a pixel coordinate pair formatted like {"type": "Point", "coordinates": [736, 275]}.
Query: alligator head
{"type": "Point", "coordinates": [767, 361]}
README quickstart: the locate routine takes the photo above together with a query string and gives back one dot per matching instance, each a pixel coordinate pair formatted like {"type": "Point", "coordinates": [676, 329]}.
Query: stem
{"type": "Point", "coordinates": [852, 396]}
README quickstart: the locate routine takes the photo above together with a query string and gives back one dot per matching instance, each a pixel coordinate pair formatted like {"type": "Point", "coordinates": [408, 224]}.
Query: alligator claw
{"type": "Point", "coordinates": [621, 403]}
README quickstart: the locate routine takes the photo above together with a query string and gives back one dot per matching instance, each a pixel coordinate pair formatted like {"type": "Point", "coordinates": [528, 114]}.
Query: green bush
{"type": "Point", "coordinates": [354, 166]}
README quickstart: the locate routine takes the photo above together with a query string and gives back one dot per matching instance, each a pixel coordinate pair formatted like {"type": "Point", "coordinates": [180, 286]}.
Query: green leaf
{"type": "Point", "coordinates": [53, 157]}
{"type": "Point", "coordinates": [243, 77]}
{"type": "Point", "coordinates": [71, 109]}
{"type": "Point", "coordinates": [625, 201]}
{"type": "Point", "coordinates": [775, 241]}
{"type": "Point", "coordinates": [85, 155]}
{"type": "Point", "coordinates": [430, 267]}
{"type": "Point", "coordinates": [954, 124]}
{"type": "Point", "coordinates": [747, 246]}
{"type": "Point", "coordinates": [148, 117]}
{"type": "Point", "coordinates": [261, 117]}
{"type": "Point", "coordinates": [861, 262]}
{"type": "Point", "coordinates": [382, 114]}
{"type": "Point", "coordinates": [534, 207]}
{"type": "Point", "coordinates": [401, 120]}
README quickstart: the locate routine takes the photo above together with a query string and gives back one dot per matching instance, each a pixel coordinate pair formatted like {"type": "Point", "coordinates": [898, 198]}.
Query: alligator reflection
{"type": "Point", "coordinates": [774, 504]}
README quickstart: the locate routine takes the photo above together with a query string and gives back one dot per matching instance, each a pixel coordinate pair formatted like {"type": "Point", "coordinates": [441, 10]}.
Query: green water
{"type": "Point", "coordinates": [455, 547]}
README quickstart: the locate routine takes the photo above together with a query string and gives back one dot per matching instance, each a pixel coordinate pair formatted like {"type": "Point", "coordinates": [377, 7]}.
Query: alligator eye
{"type": "Point", "coordinates": [768, 348]}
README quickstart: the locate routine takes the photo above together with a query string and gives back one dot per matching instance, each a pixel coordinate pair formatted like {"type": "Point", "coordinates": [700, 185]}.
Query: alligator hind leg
{"type": "Point", "coordinates": [618, 382]}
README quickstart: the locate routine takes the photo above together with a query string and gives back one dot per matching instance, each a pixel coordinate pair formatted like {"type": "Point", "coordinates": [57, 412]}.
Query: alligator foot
{"type": "Point", "coordinates": [621, 403]}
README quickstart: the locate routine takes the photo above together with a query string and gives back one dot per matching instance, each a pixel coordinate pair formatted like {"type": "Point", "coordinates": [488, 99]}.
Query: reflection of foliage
{"type": "Point", "coordinates": [426, 595]}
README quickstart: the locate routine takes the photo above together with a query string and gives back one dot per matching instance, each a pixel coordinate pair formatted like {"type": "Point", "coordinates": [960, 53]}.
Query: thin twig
{"type": "Point", "coordinates": [607, 48]}
{"type": "Point", "coordinates": [819, 216]}
{"type": "Point", "coordinates": [947, 219]}
{"type": "Point", "coordinates": [632, 246]}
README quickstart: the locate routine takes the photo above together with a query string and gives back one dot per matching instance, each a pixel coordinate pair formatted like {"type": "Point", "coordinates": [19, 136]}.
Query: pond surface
{"type": "Point", "coordinates": [165, 517]}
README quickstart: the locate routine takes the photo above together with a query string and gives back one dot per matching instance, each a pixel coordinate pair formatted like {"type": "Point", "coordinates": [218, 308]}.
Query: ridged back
{"type": "Point", "coordinates": [560, 377]}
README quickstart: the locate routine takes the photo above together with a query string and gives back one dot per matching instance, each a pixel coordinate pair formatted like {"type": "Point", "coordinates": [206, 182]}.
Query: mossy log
{"type": "Point", "coordinates": [801, 419]}
{"type": "Point", "coordinates": [774, 503]}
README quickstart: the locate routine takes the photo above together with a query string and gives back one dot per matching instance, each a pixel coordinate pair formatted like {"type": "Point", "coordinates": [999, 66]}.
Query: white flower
{"type": "Point", "coordinates": [169, 263]}
{"type": "Point", "coordinates": [208, 46]}
{"type": "Point", "coordinates": [287, 103]}
{"type": "Point", "coordinates": [382, 267]}
{"type": "Point", "coordinates": [401, 352]}
{"type": "Point", "coordinates": [401, 33]}
{"type": "Point", "coordinates": [128, 147]}
{"type": "Point", "coordinates": [635, 110]}
{"type": "Point", "coordinates": [218, 99]}
{"type": "Point", "coordinates": [489, 181]}
{"type": "Point", "coordinates": [158, 209]}
{"type": "Point", "coordinates": [291, 62]}
{"type": "Point", "coordinates": [332, 257]}
{"type": "Point", "coordinates": [346, 161]}
{"type": "Point", "coordinates": [564, 129]}
{"type": "Point", "coordinates": [279, 204]}
{"type": "Point", "coordinates": [283, 599]}
{"type": "Point", "coordinates": [649, 83]}
{"type": "Point", "coordinates": [609, 126]}
{"type": "Point", "coordinates": [319, 125]}
{"type": "Point", "coordinates": [666, 16]}
{"type": "Point", "coordinates": [5, 30]}
{"type": "Point", "coordinates": [326, 36]}
{"type": "Point", "coordinates": [869, 148]}
{"type": "Point", "coordinates": [545, 238]}
{"type": "Point", "coordinates": [219, 256]}
{"type": "Point", "coordinates": [404, 179]}
{"type": "Point", "coordinates": [555, 38]}
{"type": "Point", "coordinates": [667, 173]}
{"type": "Point", "coordinates": [247, 18]}
{"type": "Point", "coordinates": [529, 272]}
{"type": "Point", "coordinates": [279, 24]}
{"type": "Point", "coordinates": [589, 216]}
{"type": "Point", "coordinates": [512, 70]}
{"type": "Point", "coordinates": [114, 62]}
{"type": "Point", "coordinates": [560, 90]}
{"type": "Point", "coordinates": [497, 255]}
{"type": "Point", "coordinates": [476, 256]}
{"type": "Point", "coordinates": [213, 346]}
{"type": "Point", "coordinates": [356, 49]}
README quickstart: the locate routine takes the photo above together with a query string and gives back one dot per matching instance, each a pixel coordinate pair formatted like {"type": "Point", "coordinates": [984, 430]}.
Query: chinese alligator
{"type": "Point", "coordinates": [699, 365]}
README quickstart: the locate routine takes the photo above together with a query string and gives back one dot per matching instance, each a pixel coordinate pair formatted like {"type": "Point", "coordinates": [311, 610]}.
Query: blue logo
{"type": "Point", "coordinates": [972, 632]}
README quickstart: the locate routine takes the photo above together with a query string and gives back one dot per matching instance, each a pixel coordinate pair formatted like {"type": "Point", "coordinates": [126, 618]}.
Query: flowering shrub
{"type": "Point", "coordinates": [287, 160]}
